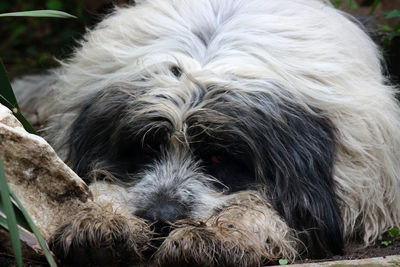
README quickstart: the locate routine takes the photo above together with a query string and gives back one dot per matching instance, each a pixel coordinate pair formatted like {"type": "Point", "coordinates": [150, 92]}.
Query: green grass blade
{"type": "Point", "coordinates": [352, 4]}
{"type": "Point", "coordinates": [11, 219]}
{"type": "Point", "coordinates": [3, 223]}
{"type": "Point", "coordinates": [36, 231]}
{"type": "Point", "coordinates": [21, 221]}
{"type": "Point", "coordinates": [24, 220]}
{"type": "Point", "coordinates": [337, 3]}
{"type": "Point", "coordinates": [394, 33]}
{"type": "Point", "coordinates": [39, 13]}
{"type": "Point", "coordinates": [5, 86]}
{"type": "Point", "coordinates": [373, 6]}
{"type": "Point", "coordinates": [17, 113]}
{"type": "Point", "coordinates": [8, 99]}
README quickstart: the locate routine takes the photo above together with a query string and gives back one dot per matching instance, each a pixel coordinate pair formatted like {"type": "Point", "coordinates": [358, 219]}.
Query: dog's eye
{"type": "Point", "coordinates": [231, 172]}
{"type": "Point", "coordinates": [147, 149]}
{"type": "Point", "coordinates": [176, 71]}
{"type": "Point", "coordinates": [216, 159]}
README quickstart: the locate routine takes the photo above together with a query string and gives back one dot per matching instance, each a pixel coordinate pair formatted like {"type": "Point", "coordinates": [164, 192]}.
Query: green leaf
{"type": "Point", "coordinates": [24, 220]}
{"type": "Point", "coordinates": [7, 98]}
{"type": "Point", "coordinates": [394, 232]}
{"type": "Point", "coordinates": [21, 221]}
{"type": "Point", "coordinates": [17, 113]}
{"type": "Point", "coordinates": [373, 6]}
{"type": "Point", "coordinates": [283, 261]}
{"type": "Point", "coordinates": [397, 27]}
{"type": "Point", "coordinates": [352, 4]}
{"type": "Point", "coordinates": [386, 28]}
{"type": "Point", "coordinates": [3, 222]}
{"type": "Point", "coordinates": [39, 13]}
{"type": "Point", "coordinates": [393, 34]}
{"type": "Point", "coordinates": [5, 87]}
{"type": "Point", "coordinates": [36, 231]}
{"type": "Point", "coordinates": [385, 243]}
{"type": "Point", "coordinates": [395, 13]}
{"type": "Point", "coordinates": [11, 220]}
{"type": "Point", "coordinates": [337, 3]}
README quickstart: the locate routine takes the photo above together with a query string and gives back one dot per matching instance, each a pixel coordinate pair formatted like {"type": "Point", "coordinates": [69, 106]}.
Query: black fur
{"type": "Point", "coordinates": [252, 136]}
{"type": "Point", "coordinates": [100, 140]}
{"type": "Point", "coordinates": [295, 148]}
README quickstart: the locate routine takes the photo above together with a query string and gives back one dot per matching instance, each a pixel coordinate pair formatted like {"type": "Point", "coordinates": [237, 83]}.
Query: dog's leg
{"type": "Point", "coordinates": [103, 233]}
{"type": "Point", "coordinates": [248, 232]}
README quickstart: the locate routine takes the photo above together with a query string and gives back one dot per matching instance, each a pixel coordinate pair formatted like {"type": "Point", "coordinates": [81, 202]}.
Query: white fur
{"type": "Point", "coordinates": [322, 57]}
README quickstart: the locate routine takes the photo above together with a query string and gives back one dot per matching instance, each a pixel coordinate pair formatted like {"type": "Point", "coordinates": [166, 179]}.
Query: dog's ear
{"type": "Point", "coordinates": [299, 154]}
{"type": "Point", "coordinates": [292, 147]}
{"type": "Point", "coordinates": [114, 132]}
{"type": "Point", "coordinates": [91, 131]}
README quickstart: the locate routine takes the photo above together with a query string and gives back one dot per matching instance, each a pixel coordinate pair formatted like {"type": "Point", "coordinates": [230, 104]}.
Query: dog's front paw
{"type": "Point", "coordinates": [99, 236]}
{"type": "Point", "coordinates": [203, 245]}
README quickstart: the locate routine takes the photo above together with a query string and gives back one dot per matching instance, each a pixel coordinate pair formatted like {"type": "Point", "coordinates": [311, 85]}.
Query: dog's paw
{"type": "Point", "coordinates": [99, 236]}
{"type": "Point", "coordinates": [209, 246]}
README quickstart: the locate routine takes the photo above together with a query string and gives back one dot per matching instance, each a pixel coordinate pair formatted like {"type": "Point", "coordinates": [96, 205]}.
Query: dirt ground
{"type": "Point", "coordinates": [354, 253]}
{"type": "Point", "coordinates": [351, 253]}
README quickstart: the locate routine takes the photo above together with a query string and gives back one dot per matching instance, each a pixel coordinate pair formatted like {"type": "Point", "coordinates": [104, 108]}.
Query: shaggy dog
{"type": "Point", "coordinates": [226, 133]}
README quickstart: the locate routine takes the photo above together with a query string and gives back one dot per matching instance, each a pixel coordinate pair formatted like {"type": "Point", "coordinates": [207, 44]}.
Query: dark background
{"type": "Point", "coordinates": [29, 45]}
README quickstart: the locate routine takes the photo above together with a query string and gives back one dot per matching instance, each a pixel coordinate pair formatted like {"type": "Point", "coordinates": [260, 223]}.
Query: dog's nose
{"type": "Point", "coordinates": [163, 212]}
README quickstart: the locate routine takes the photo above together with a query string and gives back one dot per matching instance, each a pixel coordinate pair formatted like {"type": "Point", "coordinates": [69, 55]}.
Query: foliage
{"type": "Point", "coordinates": [283, 262]}
{"type": "Point", "coordinates": [8, 210]}
{"type": "Point", "coordinates": [392, 32]}
{"type": "Point", "coordinates": [350, 3]}
{"type": "Point", "coordinates": [392, 235]}
{"type": "Point", "coordinates": [12, 213]}
{"type": "Point", "coordinates": [16, 216]}
{"type": "Point", "coordinates": [30, 44]}
{"type": "Point", "coordinates": [353, 5]}
{"type": "Point", "coordinates": [7, 98]}
{"type": "Point", "coordinates": [394, 232]}
{"type": "Point", "coordinates": [39, 13]}
{"type": "Point", "coordinates": [373, 7]}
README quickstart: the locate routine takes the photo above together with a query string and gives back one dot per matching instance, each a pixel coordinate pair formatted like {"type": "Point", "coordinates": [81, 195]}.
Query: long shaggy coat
{"type": "Point", "coordinates": [261, 129]}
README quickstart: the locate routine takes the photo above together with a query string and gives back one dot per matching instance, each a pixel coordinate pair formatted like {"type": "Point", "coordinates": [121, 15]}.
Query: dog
{"type": "Point", "coordinates": [225, 133]}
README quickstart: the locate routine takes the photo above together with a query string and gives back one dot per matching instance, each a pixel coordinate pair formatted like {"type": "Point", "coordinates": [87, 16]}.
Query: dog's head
{"type": "Point", "coordinates": [186, 116]}
{"type": "Point", "coordinates": [183, 142]}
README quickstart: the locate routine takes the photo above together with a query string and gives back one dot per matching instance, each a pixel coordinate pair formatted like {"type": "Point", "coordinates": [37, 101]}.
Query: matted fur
{"type": "Point", "coordinates": [100, 236]}
{"type": "Point", "coordinates": [236, 234]}
{"type": "Point", "coordinates": [290, 90]}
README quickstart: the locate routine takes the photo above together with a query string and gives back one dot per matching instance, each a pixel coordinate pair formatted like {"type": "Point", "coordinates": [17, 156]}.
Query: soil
{"type": "Point", "coordinates": [351, 253]}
